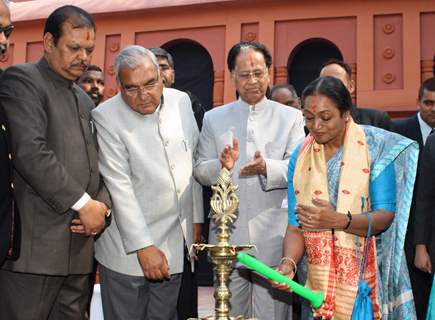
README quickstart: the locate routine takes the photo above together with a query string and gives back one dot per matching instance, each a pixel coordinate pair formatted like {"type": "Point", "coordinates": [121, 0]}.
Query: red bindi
{"type": "Point", "coordinates": [314, 103]}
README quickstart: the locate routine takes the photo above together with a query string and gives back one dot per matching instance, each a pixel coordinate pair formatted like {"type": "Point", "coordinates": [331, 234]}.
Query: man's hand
{"type": "Point", "coordinates": [229, 155]}
{"type": "Point", "coordinates": [256, 167]}
{"type": "Point", "coordinates": [153, 263]}
{"type": "Point", "coordinates": [322, 216]}
{"type": "Point", "coordinates": [197, 237]}
{"type": "Point", "coordinates": [92, 217]}
{"type": "Point", "coordinates": [422, 259]}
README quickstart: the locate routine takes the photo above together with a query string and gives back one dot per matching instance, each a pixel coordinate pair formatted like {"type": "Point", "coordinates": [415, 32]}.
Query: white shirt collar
{"type": "Point", "coordinates": [258, 106]}
{"type": "Point", "coordinates": [425, 129]}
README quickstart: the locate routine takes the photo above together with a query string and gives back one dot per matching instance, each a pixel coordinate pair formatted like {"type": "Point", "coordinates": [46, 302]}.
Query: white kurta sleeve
{"type": "Point", "coordinates": [277, 169]}
{"type": "Point", "coordinates": [207, 164]}
{"type": "Point", "coordinates": [114, 166]}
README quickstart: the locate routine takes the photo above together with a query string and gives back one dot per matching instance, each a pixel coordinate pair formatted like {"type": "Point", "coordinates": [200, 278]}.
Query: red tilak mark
{"type": "Point", "coordinates": [360, 142]}
{"type": "Point", "coordinates": [297, 192]}
{"type": "Point", "coordinates": [365, 170]}
{"type": "Point", "coordinates": [251, 61]}
{"type": "Point", "coordinates": [88, 35]}
{"type": "Point", "coordinates": [316, 149]}
{"type": "Point", "coordinates": [345, 191]}
{"type": "Point", "coordinates": [314, 103]}
{"type": "Point", "coordinates": [317, 192]}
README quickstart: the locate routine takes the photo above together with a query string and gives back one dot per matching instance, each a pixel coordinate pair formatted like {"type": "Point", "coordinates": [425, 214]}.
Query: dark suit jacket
{"type": "Point", "coordinates": [8, 216]}
{"type": "Point", "coordinates": [424, 228]}
{"type": "Point", "coordinates": [372, 117]}
{"type": "Point", "coordinates": [55, 162]}
{"type": "Point", "coordinates": [410, 128]}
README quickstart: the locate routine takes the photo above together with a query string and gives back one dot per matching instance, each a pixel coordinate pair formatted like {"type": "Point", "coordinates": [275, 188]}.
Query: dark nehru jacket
{"type": "Point", "coordinates": [55, 161]}
{"type": "Point", "coordinates": [8, 216]}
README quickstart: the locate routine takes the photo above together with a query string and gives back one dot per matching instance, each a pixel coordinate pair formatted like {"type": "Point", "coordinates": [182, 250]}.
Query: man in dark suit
{"type": "Point", "coordinates": [56, 177]}
{"type": "Point", "coordinates": [418, 128]}
{"type": "Point", "coordinates": [8, 217]}
{"type": "Point", "coordinates": [340, 70]}
{"type": "Point", "coordinates": [424, 226]}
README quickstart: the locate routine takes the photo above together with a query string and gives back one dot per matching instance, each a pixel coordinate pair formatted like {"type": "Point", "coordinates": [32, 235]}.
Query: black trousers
{"type": "Point", "coordinates": [421, 283]}
{"type": "Point", "coordinates": [187, 306]}
{"type": "Point", "coordinates": [25, 296]}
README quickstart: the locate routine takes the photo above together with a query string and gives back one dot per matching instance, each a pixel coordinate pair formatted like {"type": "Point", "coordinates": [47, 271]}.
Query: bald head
{"type": "Point", "coordinates": [336, 71]}
{"type": "Point", "coordinates": [5, 27]}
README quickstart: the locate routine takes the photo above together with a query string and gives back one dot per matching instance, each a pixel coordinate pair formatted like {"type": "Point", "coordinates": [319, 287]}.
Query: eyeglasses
{"type": "Point", "coordinates": [256, 74]}
{"type": "Point", "coordinates": [7, 30]}
{"type": "Point", "coordinates": [135, 90]}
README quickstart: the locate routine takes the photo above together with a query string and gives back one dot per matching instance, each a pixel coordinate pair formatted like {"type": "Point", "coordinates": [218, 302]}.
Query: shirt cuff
{"type": "Point", "coordinates": [82, 202]}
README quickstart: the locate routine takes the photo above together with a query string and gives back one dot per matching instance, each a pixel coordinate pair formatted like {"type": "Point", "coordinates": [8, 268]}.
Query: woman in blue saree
{"type": "Point", "coordinates": [341, 179]}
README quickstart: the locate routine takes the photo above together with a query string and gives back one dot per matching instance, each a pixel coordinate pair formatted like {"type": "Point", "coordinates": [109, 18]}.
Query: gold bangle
{"type": "Point", "coordinates": [295, 267]}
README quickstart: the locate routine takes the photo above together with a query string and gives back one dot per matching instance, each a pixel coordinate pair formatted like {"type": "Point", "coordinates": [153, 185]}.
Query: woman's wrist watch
{"type": "Point", "coordinates": [349, 217]}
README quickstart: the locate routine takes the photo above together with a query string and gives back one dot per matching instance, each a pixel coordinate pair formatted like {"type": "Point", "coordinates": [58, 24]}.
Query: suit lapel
{"type": "Point", "coordinates": [415, 131]}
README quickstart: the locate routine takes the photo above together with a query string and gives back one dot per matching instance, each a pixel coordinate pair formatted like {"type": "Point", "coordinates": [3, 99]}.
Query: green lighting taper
{"type": "Point", "coordinates": [315, 298]}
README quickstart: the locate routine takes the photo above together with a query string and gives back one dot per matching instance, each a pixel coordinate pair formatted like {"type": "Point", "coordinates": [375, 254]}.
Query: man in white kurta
{"type": "Point", "coordinates": [253, 137]}
{"type": "Point", "coordinates": [147, 136]}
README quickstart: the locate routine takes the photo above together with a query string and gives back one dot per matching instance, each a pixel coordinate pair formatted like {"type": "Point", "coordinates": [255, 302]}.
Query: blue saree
{"type": "Point", "coordinates": [392, 176]}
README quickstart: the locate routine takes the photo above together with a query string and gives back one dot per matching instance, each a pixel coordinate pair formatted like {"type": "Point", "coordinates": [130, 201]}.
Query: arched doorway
{"type": "Point", "coordinates": [193, 69]}
{"type": "Point", "coordinates": [307, 58]}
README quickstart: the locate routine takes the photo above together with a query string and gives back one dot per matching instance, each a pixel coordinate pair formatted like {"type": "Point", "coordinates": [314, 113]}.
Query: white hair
{"type": "Point", "coordinates": [132, 56]}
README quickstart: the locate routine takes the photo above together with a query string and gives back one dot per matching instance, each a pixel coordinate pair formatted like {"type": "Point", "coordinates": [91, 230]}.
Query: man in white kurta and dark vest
{"type": "Point", "coordinates": [252, 137]}
{"type": "Point", "coordinates": [147, 136]}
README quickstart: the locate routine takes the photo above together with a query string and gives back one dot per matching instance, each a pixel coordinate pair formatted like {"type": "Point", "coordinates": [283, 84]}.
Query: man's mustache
{"type": "Point", "coordinates": [96, 91]}
{"type": "Point", "coordinates": [81, 65]}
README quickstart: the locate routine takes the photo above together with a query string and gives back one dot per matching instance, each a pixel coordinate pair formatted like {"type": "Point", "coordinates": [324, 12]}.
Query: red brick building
{"type": "Point", "coordinates": [389, 44]}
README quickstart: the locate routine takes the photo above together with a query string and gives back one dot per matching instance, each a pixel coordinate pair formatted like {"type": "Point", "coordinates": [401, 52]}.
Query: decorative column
{"type": "Point", "coordinates": [427, 69]}
{"type": "Point", "coordinates": [113, 45]}
{"type": "Point", "coordinates": [280, 75]}
{"type": "Point", "coordinates": [218, 88]}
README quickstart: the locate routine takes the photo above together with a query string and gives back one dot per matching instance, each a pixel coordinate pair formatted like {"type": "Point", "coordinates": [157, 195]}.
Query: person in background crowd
{"type": "Point", "coordinates": [166, 65]}
{"type": "Point", "coordinates": [147, 136]}
{"type": "Point", "coordinates": [342, 71]}
{"type": "Point", "coordinates": [56, 178]}
{"type": "Point", "coordinates": [285, 94]}
{"type": "Point", "coordinates": [9, 233]}
{"type": "Point", "coordinates": [418, 128]}
{"type": "Point", "coordinates": [252, 137]}
{"type": "Point", "coordinates": [92, 82]}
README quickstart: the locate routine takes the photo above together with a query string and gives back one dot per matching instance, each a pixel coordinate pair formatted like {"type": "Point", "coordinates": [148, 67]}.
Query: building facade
{"type": "Point", "coordinates": [390, 45]}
